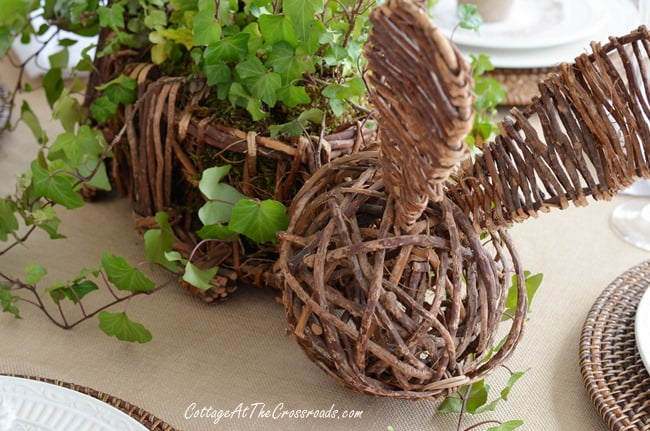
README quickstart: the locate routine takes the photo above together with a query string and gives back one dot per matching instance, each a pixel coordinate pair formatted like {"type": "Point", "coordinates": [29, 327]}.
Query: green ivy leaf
{"type": "Point", "coordinates": [335, 55]}
{"type": "Point", "coordinates": [112, 17]}
{"type": "Point", "coordinates": [8, 220]}
{"type": "Point", "coordinates": [278, 28]}
{"type": "Point", "coordinates": [217, 231]}
{"type": "Point", "coordinates": [75, 148]}
{"type": "Point", "coordinates": [478, 396]}
{"type": "Point", "coordinates": [32, 121]}
{"type": "Point", "coordinates": [480, 64]}
{"type": "Point", "coordinates": [259, 221]}
{"type": "Point", "coordinates": [302, 13]}
{"type": "Point", "coordinates": [14, 12]}
{"type": "Point", "coordinates": [251, 70]}
{"type": "Point", "coordinates": [206, 29]}
{"type": "Point", "coordinates": [58, 187]}
{"type": "Point", "coordinates": [122, 89]}
{"type": "Point", "coordinates": [60, 59]}
{"type": "Point", "coordinates": [451, 404]}
{"type": "Point", "coordinates": [232, 48]}
{"type": "Point", "coordinates": [182, 36]}
{"type": "Point", "coordinates": [212, 187]}
{"type": "Point", "coordinates": [218, 74]}
{"type": "Point", "coordinates": [469, 17]}
{"type": "Point", "coordinates": [266, 87]}
{"type": "Point", "coordinates": [100, 177]}
{"type": "Point", "coordinates": [34, 273]}
{"type": "Point", "coordinates": [504, 394]}
{"type": "Point", "coordinates": [220, 209]}
{"type": "Point", "coordinates": [6, 39]}
{"type": "Point", "coordinates": [532, 285]}
{"type": "Point", "coordinates": [124, 276]}
{"type": "Point", "coordinates": [155, 18]}
{"type": "Point", "coordinates": [489, 93]}
{"type": "Point", "coordinates": [82, 152]}
{"type": "Point", "coordinates": [293, 96]}
{"type": "Point", "coordinates": [53, 85]}
{"type": "Point", "coordinates": [255, 40]}
{"type": "Point", "coordinates": [507, 426]}
{"type": "Point", "coordinates": [297, 126]}
{"type": "Point", "coordinates": [511, 382]}
{"type": "Point", "coordinates": [68, 111]}
{"type": "Point", "coordinates": [198, 277]}
{"type": "Point", "coordinates": [47, 220]}
{"type": "Point", "coordinates": [338, 107]}
{"type": "Point", "coordinates": [210, 178]}
{"type": "Point", "coordinates": [291, 65]}
{"type": "Point", "coordinates": [314, 38]}
{"type": "Point", "coordinates": [157, 242]}
{"type": "Point", "coordinates": [254, 108]}
{"type": "Point", "coordinates": [262, 84]}
{"type": "Point", "coordinates": [239, 96]}
{"type": "Point", "coordinates": [103, 109]}
{"type": "Point", "coordinates": [174, 256]}
{"type": "Point", "coordinates": [8, 301]}
{"type": "Point", "coordinates": [74, 292]}
{"type": "Point", "coordinates": [119, 325]}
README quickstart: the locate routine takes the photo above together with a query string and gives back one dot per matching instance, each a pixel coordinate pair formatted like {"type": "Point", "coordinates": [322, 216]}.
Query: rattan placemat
{"type": "Point", "coordinates": [520, 84]}
{"type": "Point", "coordinates": [148, 420]}
{"type": "Point", "coordinates": [611, 366]}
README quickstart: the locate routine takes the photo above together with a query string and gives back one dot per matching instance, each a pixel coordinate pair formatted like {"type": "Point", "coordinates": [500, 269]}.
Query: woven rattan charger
{"type": "Point", "coordinates": [143, 417]}
{"type": "Point", "coordinates": [614, 375]}
{"type": "Point", "coordinates": [521, 85]}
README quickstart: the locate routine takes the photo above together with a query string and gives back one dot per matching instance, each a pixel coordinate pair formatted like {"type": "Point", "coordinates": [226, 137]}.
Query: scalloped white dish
{"type": "Point", "coordinates": [642, 329]}
{"type": "Point", "coordinates": [39, 406]}
{"type": "Point", "coordinates": [530, 24]}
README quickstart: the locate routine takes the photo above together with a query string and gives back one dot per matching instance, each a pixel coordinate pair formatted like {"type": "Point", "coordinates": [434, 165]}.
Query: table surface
{"type": "Point", "coordinates": [239, 352]}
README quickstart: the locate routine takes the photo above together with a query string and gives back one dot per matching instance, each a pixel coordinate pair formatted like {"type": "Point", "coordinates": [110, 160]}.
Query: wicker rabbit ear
{"type": "Point", "coordinates": [422, 90]}
{"type": "Point", "coordinates": [594, 139]}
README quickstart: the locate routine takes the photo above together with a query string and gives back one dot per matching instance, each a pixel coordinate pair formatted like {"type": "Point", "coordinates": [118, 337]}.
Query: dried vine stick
{"type": "Point", "coordinates": [595, 140]}
{"type": "Point", "coordinates": [422, 90]}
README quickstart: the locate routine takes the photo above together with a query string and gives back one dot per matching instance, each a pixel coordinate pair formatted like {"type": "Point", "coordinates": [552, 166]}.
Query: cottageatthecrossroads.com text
{"type": "Point", "coordinates": [259, 410]}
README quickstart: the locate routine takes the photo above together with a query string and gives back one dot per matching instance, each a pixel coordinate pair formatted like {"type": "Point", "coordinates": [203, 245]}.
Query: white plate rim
{"type": "Point", "coordinates": [623, 19]}
{"type": "Point", "coordinates": [50, 395]}
{"type": "Point", "coordinates": [469, 38]}
{"type": "Point", "coordinates": [642, 329]}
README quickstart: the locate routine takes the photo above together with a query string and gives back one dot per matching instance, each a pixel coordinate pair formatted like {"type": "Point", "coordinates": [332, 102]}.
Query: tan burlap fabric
{"type": "Point", "coordinates": [238, 352]}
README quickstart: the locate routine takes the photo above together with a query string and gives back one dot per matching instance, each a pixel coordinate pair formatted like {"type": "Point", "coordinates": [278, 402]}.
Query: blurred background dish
{"type": "Point", "coordinates": [530, 24]}
{"type": "Point", "coordinates": [621, 17]}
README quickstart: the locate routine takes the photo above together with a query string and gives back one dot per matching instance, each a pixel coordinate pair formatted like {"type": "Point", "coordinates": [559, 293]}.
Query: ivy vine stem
{"type": "Point", "coordinates": [483, 423]}
{"type": "Point", "coordinates": [63, 323]}
{"type": "Point", "coordinates": [18, 241]}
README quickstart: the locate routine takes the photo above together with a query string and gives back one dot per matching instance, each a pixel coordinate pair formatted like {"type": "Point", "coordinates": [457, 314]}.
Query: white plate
{"type": "Point", "coordinates": [621, 18]}
{"type": "Point", "coordinates": [530, 24]}
{"type": "Point", "coordinates": [642, 329]}
{"type": "Point", "coordinates": [44, 407]}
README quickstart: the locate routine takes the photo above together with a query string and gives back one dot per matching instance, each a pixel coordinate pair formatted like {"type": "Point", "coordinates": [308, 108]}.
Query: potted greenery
{"type": "Point", "coordinates": [265, 92]}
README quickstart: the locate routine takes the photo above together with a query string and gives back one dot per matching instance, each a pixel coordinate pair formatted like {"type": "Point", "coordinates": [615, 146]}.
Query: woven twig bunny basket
{"type": "Point", "coordinates": [397, 264]}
